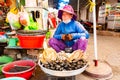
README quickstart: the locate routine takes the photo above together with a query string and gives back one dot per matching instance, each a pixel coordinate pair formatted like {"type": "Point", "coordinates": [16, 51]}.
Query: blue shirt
{"type": "Point", "coordinates": [74, 28]}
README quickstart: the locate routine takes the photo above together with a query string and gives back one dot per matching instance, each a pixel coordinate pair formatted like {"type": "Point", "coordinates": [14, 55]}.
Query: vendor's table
{"type": "Point", "coordinates": [23, 53]}
{"type": "Point", "coordinates": [18, 47]}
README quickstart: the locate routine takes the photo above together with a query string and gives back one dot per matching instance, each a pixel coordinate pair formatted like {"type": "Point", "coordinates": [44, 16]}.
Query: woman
{"type": "Point", "coordinates": [69, 33]}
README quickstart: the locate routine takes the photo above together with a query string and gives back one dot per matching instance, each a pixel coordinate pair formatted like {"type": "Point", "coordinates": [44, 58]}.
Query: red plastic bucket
{"type": "Point", "coordinates": [24, 74]}
{"type": "Point", "coordinates": [31, 41]}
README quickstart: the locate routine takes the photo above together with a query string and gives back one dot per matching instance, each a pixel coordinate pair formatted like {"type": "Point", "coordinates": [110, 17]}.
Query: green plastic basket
{"type": "Point", "coordinates": [4, 60]}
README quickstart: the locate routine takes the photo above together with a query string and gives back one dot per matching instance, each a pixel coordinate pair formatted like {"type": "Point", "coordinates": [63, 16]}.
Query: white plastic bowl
{"type": "Point", "coordinates": [62, 73]}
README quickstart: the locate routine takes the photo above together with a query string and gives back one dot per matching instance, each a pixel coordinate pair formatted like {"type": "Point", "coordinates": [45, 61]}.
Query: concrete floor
{"type": "Point", "coordinates": [108, 50]}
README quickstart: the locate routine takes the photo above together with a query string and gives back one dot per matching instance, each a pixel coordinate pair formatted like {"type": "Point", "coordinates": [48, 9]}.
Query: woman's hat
{"type": "Point", "coordinates": [69, 9]}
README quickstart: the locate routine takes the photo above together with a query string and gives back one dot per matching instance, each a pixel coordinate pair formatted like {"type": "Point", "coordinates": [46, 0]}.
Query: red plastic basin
{"type": "Point", "coordinates": [31, 41]}
{"type": "Point", "coordinates": [24, 74]}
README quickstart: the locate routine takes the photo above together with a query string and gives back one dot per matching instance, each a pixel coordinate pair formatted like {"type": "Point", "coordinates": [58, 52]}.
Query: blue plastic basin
{"type": "Point", "coordinates": [13, 78]}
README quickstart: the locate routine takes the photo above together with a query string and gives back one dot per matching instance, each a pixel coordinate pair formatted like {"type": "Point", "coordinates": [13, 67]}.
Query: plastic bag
{"type": "Point", "coordinates": [13, 10]}
{"type": "Point", "coordinates": [13, 20]}
{"type": "Point", "coordinates": [24, 18]}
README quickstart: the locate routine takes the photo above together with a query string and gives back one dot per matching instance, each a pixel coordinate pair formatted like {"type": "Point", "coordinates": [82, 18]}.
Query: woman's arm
{"type": "Point", "coordinates": [80, 31]}
{"type": "Point", "coordinates": [57, 33]}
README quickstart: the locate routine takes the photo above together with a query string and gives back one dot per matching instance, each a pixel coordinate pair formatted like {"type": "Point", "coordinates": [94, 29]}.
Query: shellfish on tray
{"type": "Point", "coordinates": [62, 64]}
{"type": "Point", "coordinates": [64, 73]}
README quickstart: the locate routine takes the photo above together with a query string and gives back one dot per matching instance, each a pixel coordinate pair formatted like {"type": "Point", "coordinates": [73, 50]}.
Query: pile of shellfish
{"type": "Point", "coordinates": [62, 61]}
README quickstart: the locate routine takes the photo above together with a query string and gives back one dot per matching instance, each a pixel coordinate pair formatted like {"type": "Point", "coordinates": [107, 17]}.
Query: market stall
{"type": "Point", "coordinates": [25, 34]}
{"type": "Point", "coordinates": [114, 17]}
{"type": "Point", "coordinates": [29, 26]}
{"type": "Point", "coordinates": [109, 16]}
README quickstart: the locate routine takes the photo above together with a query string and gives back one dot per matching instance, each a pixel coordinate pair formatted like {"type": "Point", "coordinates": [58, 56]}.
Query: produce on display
{"type": "Point", "coordinates": [13, 19]}
{"type": "Point", "coordinates": [17, 19]}
{"type": "Point", "coordinates": [32, 26]}
{"type": "Point", "coordinates": [24, 18]}
{"type": "Point", "coordinates": [62, 61]}
{"type": "Point", "coordinates": [65, 65]}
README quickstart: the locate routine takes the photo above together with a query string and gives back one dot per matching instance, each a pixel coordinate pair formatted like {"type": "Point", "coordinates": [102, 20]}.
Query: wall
{"type": "Point", "coordinates": [112, 1]}
{"type": "Point", "coordinates": [83, 13]}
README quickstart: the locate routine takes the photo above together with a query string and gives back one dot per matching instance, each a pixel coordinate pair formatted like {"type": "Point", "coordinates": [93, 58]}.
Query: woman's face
{"type": "Point", "coordinates": [66, 16]}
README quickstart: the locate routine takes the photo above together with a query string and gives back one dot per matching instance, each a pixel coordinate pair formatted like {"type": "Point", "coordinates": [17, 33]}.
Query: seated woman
{"type": "Point", "coordinates": [69, 33]}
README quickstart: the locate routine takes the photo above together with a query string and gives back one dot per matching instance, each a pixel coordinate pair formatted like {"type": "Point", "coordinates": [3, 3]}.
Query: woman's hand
{"type": "Point", "coordinates": [63, 37]}
{"type": "Point", "coordinates": [69, 37]}
{"type": "Point", "coordinates": [66, 37]}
